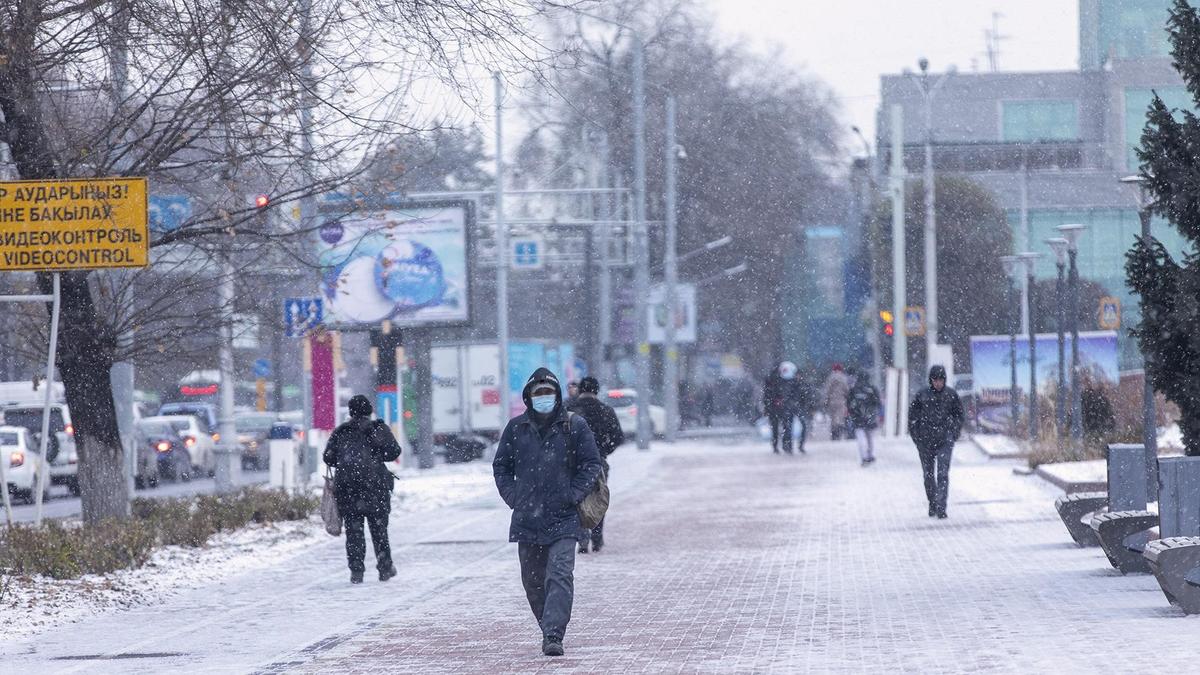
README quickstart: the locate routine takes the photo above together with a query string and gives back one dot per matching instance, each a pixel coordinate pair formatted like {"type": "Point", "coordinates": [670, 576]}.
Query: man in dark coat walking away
{"type": "Point", "coordinates": [363, 485]}
{"type": "Point", "coordinates": [781, 402]}
{"type": "Point", "coordinates": [545, 465]}
{"type": "Point", "coordinates": [935, 418]}
{"type": "Point", "coordinates": [862, 404]}
{"type": "Point", "coordinates": [606, 428]}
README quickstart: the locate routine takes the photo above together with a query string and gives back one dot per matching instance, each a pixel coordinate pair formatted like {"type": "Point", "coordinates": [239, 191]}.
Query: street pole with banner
{"type": "Point", "coordinates": [501, 259]}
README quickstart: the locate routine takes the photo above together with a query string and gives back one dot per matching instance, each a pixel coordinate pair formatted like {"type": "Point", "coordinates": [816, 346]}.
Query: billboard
{"type": "Point", "coordinates": [406, 263]}
{"type": "Point", "coordinates": [685, 314]}
{"type": "Point", "coordinates": [991, 369]}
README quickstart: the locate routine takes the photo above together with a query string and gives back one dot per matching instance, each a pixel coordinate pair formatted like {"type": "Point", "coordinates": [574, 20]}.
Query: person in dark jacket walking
{"type": "Point", "coordinates": [862, 404]}
{"type": "Point", "coordinates": [363, 485]}
{"type": "Point", "coordinates": [546, 464]}
{"type": "Point", "coordinates": [606, 428]}
{"type": "Point", "coordinates": [781, 403]}
{"type": "Point", "coordinates": [935, 418]}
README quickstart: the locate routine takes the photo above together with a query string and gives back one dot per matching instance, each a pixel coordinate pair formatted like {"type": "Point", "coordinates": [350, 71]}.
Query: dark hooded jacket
{"type": "Point", "coordinates": [863, 404]}
{"type": "Point", "coordinates": [781, 396]}
{"type": "Point", "coordinates": [603, 422]}
{"type": "Point", "coordinates": [935, 418]}
{"type": "Point", "coordinates": [357, 449]}
{"type": "Point", "coordinates": [544, 466]}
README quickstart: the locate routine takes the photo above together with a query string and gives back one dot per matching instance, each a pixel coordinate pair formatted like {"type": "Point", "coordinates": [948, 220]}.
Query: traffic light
{"type": "Point", "coordinates": [889, 328]}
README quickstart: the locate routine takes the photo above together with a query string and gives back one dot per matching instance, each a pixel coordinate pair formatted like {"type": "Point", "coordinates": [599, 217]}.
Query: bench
{"type": "Point", "coordinates": [1076, 511]}
{"type": "Point", "coordinates": [1175, 563]}
{"type": "Point", "coordinates": [1132, 484]}
{"type": "Point", "coordinates": [1120, 530]}
{"type": "Point", "coordinates": [1175, 559]}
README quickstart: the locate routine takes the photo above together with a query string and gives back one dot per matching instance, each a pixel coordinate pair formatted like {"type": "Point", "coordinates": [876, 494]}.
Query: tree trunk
{"type": "Point", "coordinates": [85, 358]}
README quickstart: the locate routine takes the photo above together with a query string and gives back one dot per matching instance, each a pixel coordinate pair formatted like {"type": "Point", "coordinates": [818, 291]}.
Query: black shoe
{"type": "Point", "coordinates": [788, 450]}
{"type": "Point", "coordinates": [552, 646]}
{"type": "Point", "coordinates": [776, 450]}
{"type": "Point", "coordinates": [583, 547]}
{"type": "Point", "coordinates": [390, 572]}
{"type": "Point", "coordinates": [356, 577]}
{"type": "Point", "coordinates": [942, 515]}
{"type": "Point", "coordinates": [802, 451]}
{"type": "Point", "coordinates": [932, 511]}
{"type": "Point", "coordinates": [596, 544]}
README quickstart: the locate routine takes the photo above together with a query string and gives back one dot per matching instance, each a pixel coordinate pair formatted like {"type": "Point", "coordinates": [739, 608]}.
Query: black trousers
{"type": "Point", "coordinates": [356, 544]}
{"type": "Point", "coordinates": [781, 430]}
{"type": "Point", "coordinates": [935, 467]}
{"type": "Point", "coordinates": [548, 575]}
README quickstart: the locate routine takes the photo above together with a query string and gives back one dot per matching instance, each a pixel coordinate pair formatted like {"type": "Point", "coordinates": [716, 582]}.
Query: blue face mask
{"type": "Point", "coordinates": [544, 404]}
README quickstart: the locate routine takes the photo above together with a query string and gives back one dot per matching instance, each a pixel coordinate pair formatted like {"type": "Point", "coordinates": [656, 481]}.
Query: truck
{"type": "Point", "coordinates": [465, 390]}
{"type": "Point", "coordinates": [21, 405]}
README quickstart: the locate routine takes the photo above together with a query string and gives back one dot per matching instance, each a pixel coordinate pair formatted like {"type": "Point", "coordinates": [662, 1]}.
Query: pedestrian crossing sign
{"type": "Point", "coordinates": [1110, 313]}
{"type": "Point", "coordinates": [914, 321]}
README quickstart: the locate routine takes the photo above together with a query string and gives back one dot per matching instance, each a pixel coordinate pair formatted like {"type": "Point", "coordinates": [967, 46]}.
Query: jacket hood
{"type": "Point", "coordinates": [937, 373]}
{"type": "Point", "coordinates": [539, 376]}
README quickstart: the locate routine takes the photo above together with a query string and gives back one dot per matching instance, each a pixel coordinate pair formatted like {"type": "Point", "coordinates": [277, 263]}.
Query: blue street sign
{"type": "Point", "coordinates": [302, 315]}
{"type": "Point", "coordinates": [527, 254]}
{"type": "Point", "coordinates": [262, 368]}
{"type": "Point", "coordinates": [167, 213]}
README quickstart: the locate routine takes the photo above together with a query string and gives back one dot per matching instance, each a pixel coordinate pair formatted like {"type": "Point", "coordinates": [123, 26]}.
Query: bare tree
{"type": "Point", "coordinates": [210, 98]}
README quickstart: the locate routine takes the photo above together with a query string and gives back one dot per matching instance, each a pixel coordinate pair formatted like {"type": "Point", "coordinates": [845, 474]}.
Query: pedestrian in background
{"type": "Point", "coordinates": [572, 390]}
{"type": "Point", "coordinates": [363, 485]}
{"type": "Point", "coordinates": [862, 405]}
{"type": "Point", "coordinates": [545, 465]}
{"type": "Point", "coordinates": [833, 401]}
{"type": "Point", "coordinates": [935, 418]}
{"type": "Point", "coordinates": [606, 429]}
{"type": "Point", "coordinates": [781, 397]}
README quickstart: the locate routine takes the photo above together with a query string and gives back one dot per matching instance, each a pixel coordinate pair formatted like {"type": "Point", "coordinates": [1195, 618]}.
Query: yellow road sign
{"type": "Point", "coordinates": [1110, 313]}
{"type": "Point", "coordinates": [73, 224]}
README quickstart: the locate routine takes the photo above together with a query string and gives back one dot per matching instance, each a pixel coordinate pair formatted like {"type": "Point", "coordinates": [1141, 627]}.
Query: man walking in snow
{"type": "Point", "coordinates": [606, 428]}
{"type": "Point", "coordinates": [862, 403]}
{"type": "Point", "coordinates": [781, 403]}
{"type": "Point", "coordinates": [935, 418]}
{"type": "Point", "coordinates": [545, 465]}
{"type": "Point", "coordinates": [833, 400]}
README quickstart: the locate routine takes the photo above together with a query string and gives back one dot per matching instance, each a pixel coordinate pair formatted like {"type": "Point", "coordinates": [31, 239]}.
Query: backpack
{"type": "Point", "coordinates": [593, 507]}
{"type": "Point", "coordinates": [356, 461]}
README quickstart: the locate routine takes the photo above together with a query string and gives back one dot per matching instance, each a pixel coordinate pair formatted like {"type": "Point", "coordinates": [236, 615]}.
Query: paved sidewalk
{"type": "Point", "coordinates": [721, 558]}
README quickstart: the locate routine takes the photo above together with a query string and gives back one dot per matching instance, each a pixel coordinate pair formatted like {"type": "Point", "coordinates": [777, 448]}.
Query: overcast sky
{"type": "Point", "coordinates": [850, 44]}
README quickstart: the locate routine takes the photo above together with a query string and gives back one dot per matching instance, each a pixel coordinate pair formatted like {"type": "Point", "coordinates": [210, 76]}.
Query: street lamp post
{"type": "Point", "coordinates": [1011, 268]}
{"type": "Point", "coordinates": [670, 261]}
{"type": "Point", "coordinates": [1072, 234]}
{"type": "Point", "coordinates": [1149, 419]}
{"type": "Point", "coordinates": [928, 91]}
{"type": "Point", "coordinates": [1059, 246]}
{"type": "Point", "coordinates": [1030, 259]}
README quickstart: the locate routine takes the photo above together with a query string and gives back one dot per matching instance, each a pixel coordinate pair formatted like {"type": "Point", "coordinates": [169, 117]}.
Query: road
{"type": "Point", "coordinates": [63, 505]}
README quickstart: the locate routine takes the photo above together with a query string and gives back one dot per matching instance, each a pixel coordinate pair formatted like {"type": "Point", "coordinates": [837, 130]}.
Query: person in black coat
{"type": "Point", "coordinates": [605, 426]}
{"type": "Point", "coordinates": [935, 418]}
{"type": "Point", "coordinates": [362, 485]}
{"type": "Point", "coordinates": [546, 464]}
{"type": "Point", "coordinates": [862, 405]}
{"type": "Point", "coordinates": [782, 400]}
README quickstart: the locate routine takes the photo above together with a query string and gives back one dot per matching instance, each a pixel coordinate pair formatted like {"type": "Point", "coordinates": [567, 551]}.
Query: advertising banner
{"type": "Point", "coordinates": [685, 314]}
{"type": "Point", "coordinates": [991, 369]}
{"type": "Point", "coordinates": [407, 263]}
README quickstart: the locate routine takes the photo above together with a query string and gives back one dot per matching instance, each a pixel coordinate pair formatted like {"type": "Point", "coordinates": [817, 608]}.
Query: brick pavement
{"type": "Point", "coordinates": [721, 558]}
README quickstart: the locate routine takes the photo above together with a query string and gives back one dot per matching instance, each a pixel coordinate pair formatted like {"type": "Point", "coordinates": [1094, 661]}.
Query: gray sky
{"type": "Point", "coordinates": [850, 44]}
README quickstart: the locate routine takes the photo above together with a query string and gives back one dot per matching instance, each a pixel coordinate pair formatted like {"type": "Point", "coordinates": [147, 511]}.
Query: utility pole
{"type": "Point", "coordinates": [641, 281]}
{"type": "Point", "coordinates": [605, 286]}
{"type": "Point", "coordinates": [670, 262]}
{"type": "Point", "coordinates": [899, 290]}
{"type": "Point", "coordinates": [501, 259]}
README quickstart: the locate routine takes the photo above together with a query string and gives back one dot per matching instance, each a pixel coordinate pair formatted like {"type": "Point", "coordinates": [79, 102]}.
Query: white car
{"type": "Point", "coordinates": [23, 465]}
{"type": "Point", "coordinates": [64, 460]}
{"type": "Point", "coordinates": [198, 442]}
{"type": "Point", "coordinates": [624, 402]}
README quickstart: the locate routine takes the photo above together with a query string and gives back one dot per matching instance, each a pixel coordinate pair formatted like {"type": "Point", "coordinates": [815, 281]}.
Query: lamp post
{"type": "Point", "coordinates": [1030, 260]}
{"type": "Point", "coordinates": [1059, 245]}
{"type": "Point", "coordinates": [1072, 233]}
{"type": "Point", "coordinates": [928, 90]}
{"type": "Point", "coordinates": [1011, 268]}
{"type": "Point", "coordinates": [1149, 419]}
{"type": "Point", "coordinates": [671, 262]}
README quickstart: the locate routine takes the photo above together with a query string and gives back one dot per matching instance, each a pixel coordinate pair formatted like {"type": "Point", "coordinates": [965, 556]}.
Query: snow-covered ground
{"type": "Point", "coordinates": [31, 604]}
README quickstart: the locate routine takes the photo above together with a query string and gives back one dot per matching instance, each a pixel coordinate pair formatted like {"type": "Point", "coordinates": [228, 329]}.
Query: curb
{"type": "Point", "coordinates": [1070, 486]}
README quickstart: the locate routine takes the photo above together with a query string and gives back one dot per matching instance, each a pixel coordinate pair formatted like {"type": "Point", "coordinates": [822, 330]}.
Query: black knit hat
{"type": "Point", "coordinates": [360, 406]}
{"type": "Point", "coordinates": [589, 385]}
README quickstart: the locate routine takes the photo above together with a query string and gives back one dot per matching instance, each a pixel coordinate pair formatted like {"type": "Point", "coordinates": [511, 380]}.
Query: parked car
{"type": "Point", "coordinates": [197, 445]}
{"type": "Point", "coordinates": [254, 432]}
{"type": "Point", "coordinates": [60, 446]}
{"type": "Point", "coordinates": [625, 402]}
{"type": "Point", "coordinates": [25, 465]}
{"type": "Point", "coordinates": [205, 412]}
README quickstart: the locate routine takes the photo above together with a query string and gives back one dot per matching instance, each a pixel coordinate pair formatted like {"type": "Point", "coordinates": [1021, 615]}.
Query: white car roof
{"type": "Point", "coordinates": [170, 418]}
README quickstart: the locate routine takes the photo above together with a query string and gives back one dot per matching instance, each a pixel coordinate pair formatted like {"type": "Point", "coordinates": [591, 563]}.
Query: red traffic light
{"type": "Point", "coordinates": [262, 201]}
{"type": "Point", "coordinates": [888, 329]}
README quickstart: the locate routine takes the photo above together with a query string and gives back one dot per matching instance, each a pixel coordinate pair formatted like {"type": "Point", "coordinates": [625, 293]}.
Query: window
{"type": "Point", "coordinates": [1133, 28]}
{"type": "Point", "coordinates": [1137, 102]}
{"type": "Point", "coordinates": [1040, 121]}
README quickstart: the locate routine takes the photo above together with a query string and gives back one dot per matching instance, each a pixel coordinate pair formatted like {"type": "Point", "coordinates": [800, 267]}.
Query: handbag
{"type": "Point", "coordinates": [329, 509]}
